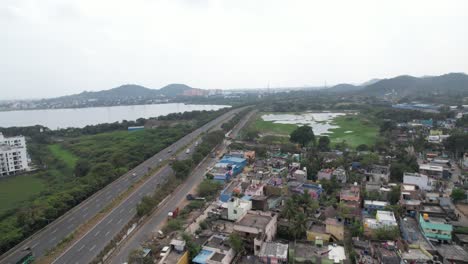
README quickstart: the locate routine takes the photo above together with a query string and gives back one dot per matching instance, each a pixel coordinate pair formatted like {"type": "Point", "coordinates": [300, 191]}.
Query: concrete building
{"type": "Point", "coordinates": [273, 253]}
{"type": "Point", "coordinates": [215, 251]}
{"type": "Point", "coordinates": [13, 155]}
{"type": "Point", "coordinates": [435, 228]}
{"type": "Point", "coordinates": [237, 208]}
{"type": "Point", "coordinates": [351, 198]}
{"type": "Point", "coordinates": [324, 174]}
{"type": "Point", "coordinates": [410, 199]}
{"type": "Point", "coordinates": [371, 206]}
{"type": "Point", "coordinates": [378, 173]}
{"type": "Point", "coordinates": [256, 227]}
{"type": "Point", "coordinates": [383, 219]}
{"type": "Point", "coordinates": [335, 228]}
{"type": "Point", "coordinates": [340, 175]}
{"type": "Point", "coordinates": [434, 171]}
{"type": "Point", "coordinates": [422, 181]}
{"type": "Point", "coordinates": [316, 253]}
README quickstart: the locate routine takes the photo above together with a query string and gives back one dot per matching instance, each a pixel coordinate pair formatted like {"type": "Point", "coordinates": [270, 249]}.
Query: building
{"type": "Point", "coordinates": [422, 181]}
{"type": "Point", "coordinates": [316, 253]}
{"type": "Point", "coordinates": [335, 228]}
{"type": "Point", "coordinates": [410, 199]}
{"type": "Point", "coordinates": [351, 198]}
{"type": "Point", "coordinates": [317, 231]}
{"type": "Point", "coordinates": [434, 171]}
{"type": "Point", "coordinates": [256, 227]}
{"type": "Point", "coordinates": [435, 228]}
{"type": "Point", "coordinates": [215, 251]}
{"type": "Point", "coordinates": [371, 206]}
{"type": "Point", "coordinates": [324, 174]}
{"type": "Point", "coordinates": [255, 190]}
{"type": "Point", "coordinates": [237, 208]}
{"type": "Point", "coordinates": [383, 219]}
{"type": "Point", "coordinates": [378, 173]}
{"type": "Point", "coordinates": [273, 253]}
{"type": "Point", "coordinates": [13, 155]}
{"type": "Point", "coordinates": [300, 175]}
{"type": "Point", "coordinates": [340, 175]}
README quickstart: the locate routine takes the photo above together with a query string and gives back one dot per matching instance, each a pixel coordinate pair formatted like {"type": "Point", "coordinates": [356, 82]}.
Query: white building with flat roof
{"type": "Point", "coordinates": [422, 181]}
{"type": "Point", "coordinates": [13, 155]}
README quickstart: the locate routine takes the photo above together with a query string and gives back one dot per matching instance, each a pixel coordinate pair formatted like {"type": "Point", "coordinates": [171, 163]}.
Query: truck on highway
{"type": "Point", "coordinates": [26, 257]}
{"type": "Point", "coordinates": [192, 197]}
{"type": "Point", "coordinates": [173, 214]}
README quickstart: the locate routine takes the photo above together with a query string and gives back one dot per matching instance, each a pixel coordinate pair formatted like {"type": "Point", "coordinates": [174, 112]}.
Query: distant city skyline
{"type": "Point", "coordinates": [54, 48]}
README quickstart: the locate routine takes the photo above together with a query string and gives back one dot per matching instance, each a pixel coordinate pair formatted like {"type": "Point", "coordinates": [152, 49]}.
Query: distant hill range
{"type": "Point", "coordinates": [133, 91]}
{"type": "Point", "coordinates": [452, 84]}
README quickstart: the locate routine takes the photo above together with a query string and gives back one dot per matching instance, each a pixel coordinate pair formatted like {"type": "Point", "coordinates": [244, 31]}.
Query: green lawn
{"type": "Point", "coordinates": [363, 131]}
{"type": "Point", "coordinates": [16, 189]}
{"type": "Point", "coordinates": [268, 127]}
{"type": "Point", "coordinates": [64, 155]}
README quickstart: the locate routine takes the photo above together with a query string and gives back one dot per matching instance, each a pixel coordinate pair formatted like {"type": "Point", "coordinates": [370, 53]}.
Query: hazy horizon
{"type": "Point", "coordinates": [54, 48]}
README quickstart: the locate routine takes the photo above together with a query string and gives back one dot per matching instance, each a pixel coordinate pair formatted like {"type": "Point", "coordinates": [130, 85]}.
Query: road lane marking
{"type": "Point", "coordinates": [85, 215]}
{"type": "Point", "coordinates": [120, 220]}
{"type": "Point", "coordinates": [81, 248]}
{"type": "Point", "coordinates": [33, 246]}
{"type": "Point", "coordinates": [107, 233]}
{"type": "Point", "coordinates": [121, 210]}
{"type": "Point", "coordinates": [70, 219]}
{"type": "Point", "coordinates": [110, 221]}
{"type": "Point", "coordinates": [92, 248]}
{"type": "Point", "coordinates": [52, 240]}
{"type": "Point", "coordinates": [97, 233]}
{"type": "Point", "coordinates": [55, 230]}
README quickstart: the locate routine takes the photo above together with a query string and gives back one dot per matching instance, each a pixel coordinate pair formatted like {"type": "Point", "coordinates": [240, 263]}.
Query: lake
{"type": "Point", "coordinates": [321, 123]}
{"type": "Point", "coordinates": [81, 117]}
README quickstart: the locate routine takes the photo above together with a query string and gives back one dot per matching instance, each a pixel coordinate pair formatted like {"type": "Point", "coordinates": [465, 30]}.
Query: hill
{"type": "Point", "coordinates": [448, 85]}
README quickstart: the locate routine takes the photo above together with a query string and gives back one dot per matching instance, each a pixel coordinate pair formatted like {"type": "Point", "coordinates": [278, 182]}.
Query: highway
{"type": "Point", "coordinates": [144, 232]}
{"type": "Point", "coordinates": [52, 234]}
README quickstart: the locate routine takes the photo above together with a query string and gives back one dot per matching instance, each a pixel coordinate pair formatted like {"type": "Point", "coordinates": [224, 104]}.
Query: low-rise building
{"type": "Point", "coordinates": [410, 199]}
{"type": "Point", "coordinates": [316, 253]}
{"type": "Point", "coordinates": [255, 190]}
{"type": "Point", "coordinates": [273, 253]}
{"type": "Point", "coordinates": [324, 174]}
{"type": "Point", "coordinates": [215, 251]}
{"type": "Point", "coordinates": [256, 227]}
{"type": "Point", "coordinates": [237, 208]}
{"type": "Point", "coordinates": [434, 171]}
{"type": "Point", "coordinates": [335, 228]}
{"type": "Point", "coordinates": [378, 173]}
{"type": "Point", "coordinates": [422, 181]}
{"type": "Point", "coordinates": [435, 228]}
{"type": "Point", "coordinates": [383, 219]}
{"type": "Point", "coordinates": [370, 206]}
{"type": "Point", "coordinates": [340, 175]}
{"type": "Point", "coordinates": [351, 198]}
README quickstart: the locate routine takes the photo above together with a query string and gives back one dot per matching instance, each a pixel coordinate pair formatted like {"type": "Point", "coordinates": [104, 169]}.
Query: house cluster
{"type": "Point", "coordinates": [361, 216]}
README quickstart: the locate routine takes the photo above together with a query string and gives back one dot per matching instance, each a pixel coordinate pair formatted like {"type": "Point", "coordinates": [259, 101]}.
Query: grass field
{"type": "Point", "coordinates": [363, 131]}
{"type": "Point", "coordinates": [268, 127]}
{"type": "Point", "coordinates": [63, 155]}
{"type": "Point", "coordinates": [15, 189]}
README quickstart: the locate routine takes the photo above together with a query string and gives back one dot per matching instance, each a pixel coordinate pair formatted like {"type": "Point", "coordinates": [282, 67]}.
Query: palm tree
{"type": "Point", "coordinates": [299, 226]}
{"type": "Point", "coordinates": [289, 209]}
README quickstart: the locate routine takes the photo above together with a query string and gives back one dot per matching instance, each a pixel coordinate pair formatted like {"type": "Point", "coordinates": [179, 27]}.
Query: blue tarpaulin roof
{"type": "Point", "coordinates": [202, 257]}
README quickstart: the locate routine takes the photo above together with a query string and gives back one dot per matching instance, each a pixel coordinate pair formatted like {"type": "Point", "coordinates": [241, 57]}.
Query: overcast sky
{"type": "Point", "coordinates": [58, 47]}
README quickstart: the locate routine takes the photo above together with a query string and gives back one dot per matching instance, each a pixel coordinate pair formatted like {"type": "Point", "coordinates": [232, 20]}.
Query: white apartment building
{"type": "Point", "coordinates": [422, 181]}
{"type": "Point", "coordinates": [13, 155]}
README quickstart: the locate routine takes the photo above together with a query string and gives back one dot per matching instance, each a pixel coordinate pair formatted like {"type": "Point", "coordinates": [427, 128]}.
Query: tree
{"type": "Point", "coordinates": [182, 168]}
{"type": "Point", "coordinates": [192, 246]}
{"type": "Point", "coordinates": [362, 147]}
{"type": "Point", "coordinates": [82, 167]}
{"type": "Point", "coordinates": [394, 195]}
{"type": "Point", "coordinates": [302, 135]}
{"type": "Point", "coordinates": [458, 194]}
{"type": "Point", "coordinates": [324, 143]}
{"type": "Point", "coordinates": [299, 226]}
{"type": "Point", "coordinates": [236, 243]}
{"type": "Point", "coordinates": [387, 233]}
{"type": "Point", "coordinates": [251, 134]}
{"type": "Point", "coordinates": [289, 209]}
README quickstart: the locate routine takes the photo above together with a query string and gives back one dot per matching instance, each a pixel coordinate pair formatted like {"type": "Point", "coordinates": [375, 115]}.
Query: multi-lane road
{"type": "Point", "coordinates": [52, 234]}
{"type": "Point", "coordinates": [144, 232]}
